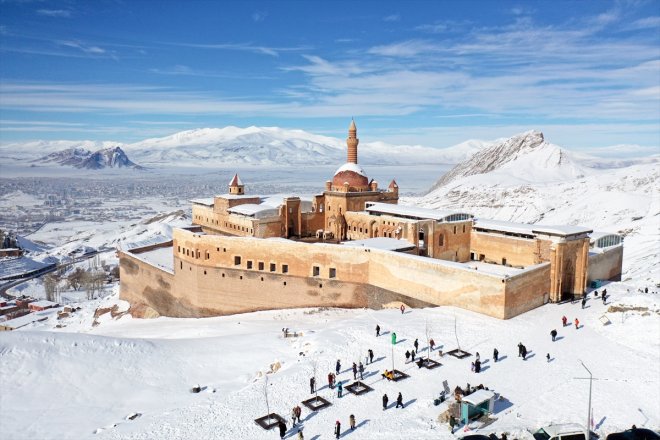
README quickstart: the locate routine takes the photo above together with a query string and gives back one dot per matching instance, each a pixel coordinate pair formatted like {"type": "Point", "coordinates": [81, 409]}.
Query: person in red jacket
{"type": "Point", "coordinates": [577, 324]}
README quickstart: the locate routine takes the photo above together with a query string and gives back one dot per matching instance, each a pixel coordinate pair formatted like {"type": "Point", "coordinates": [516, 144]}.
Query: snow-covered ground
{"type": "Point", "coordinates": [82, 381]}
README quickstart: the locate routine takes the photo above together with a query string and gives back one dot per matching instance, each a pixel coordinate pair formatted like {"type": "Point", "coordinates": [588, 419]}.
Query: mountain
{"type": "Point", "coordinates": [527, 150]}
{"type": "Point", "coordinates": [79, 157]}
{"type": "Point", "coordinates": [525, 179]}
{"type": "Point", "coordinates": [231, 146]}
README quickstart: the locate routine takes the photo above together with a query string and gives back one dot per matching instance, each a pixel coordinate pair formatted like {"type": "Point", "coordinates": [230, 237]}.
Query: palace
{"type": "Point", "coordinates": [354, 246]}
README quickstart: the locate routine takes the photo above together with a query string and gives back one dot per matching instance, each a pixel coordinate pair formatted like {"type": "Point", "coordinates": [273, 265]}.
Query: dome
{"type": "Point", "coordinates": [353, 174]}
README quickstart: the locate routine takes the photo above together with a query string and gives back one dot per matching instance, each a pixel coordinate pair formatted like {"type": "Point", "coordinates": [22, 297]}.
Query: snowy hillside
{"type": "Point", "coordinates": [230, 146]}
{"type": "Point", "coordinates": [526, 179]}
{"type": "Point", "coordinates": [83, 381]}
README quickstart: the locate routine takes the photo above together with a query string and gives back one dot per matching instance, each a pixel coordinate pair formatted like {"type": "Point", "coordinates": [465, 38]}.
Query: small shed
{"type": "Point", "coordinates": [38, 306]}
{"type": "Point", "coordinates": [479, 403]}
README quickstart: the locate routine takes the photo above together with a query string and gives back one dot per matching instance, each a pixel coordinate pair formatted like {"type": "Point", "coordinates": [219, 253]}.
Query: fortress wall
{"type": "Point", "coordinates": [362, 277]}
{"type": "Point", "coordinates": [517, 251]}
{"type": "Point", "coordinates": [455, 245]}
{"type": "Point", "coordinates": [606, 265]}
{"type": "Point", "coordinates": [142, 284]}
{"type": "Point", "coordinates": [527, 290]}
{"type": "Point", "coordinates": [438, 284]}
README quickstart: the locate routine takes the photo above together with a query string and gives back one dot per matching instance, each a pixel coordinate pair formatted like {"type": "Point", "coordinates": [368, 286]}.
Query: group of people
{"type": "Point", "coordinates": [476, 365]}
{"type": "Point", "coordinates": [399, 401]}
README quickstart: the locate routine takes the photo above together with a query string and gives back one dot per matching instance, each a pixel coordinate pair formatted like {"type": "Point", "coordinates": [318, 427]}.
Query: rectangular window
{"type": "Point", "coordinates": [441, 240]}
{"type": "Point", "coordinates": [261, 265]}
{"type": "Point", "coordinates": [454, 229]}
{"type": "Point", "coordinates": [273, 267]}
{"type": "Point", "coordinates": [316, 271]}
{"type": "Point", "coordinates": [237, 260]}
{"type": "Point", "coordinates": [285, 268]}
{"type": "Point", "coordinates": [503, 261]}
{"type": "Point", "coordinates": [332, 273]}
{"type": "Point", "coordinates": [463, 229]}
{"type": "Point", "coordinates": [179, 249]}
{"type": "Point", "coordinates": [249, 264]}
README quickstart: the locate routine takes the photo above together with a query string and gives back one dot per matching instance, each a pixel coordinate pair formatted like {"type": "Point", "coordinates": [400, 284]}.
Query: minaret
{"type": "Point", "coordinates": [352, 141]}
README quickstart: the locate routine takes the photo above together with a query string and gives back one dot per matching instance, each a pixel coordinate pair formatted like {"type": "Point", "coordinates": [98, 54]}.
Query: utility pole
{"type": "Point", "coordinates": [591, 378]}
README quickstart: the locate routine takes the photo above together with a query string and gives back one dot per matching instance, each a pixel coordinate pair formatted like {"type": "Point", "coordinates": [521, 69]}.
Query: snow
{"type": "Point", "coordinates": [528, 229]}
{"type": "Point", "coordinates": [162, 257]}
{"type": "Point", "coordinates": [123, 366]}
{"type": "Point", "coordinates": [25, 320]}
{"type": "Point", "coordinates": [409, 211]}
{"type": "Point", "coordinates": [252, 210]}
{"type": "Point", "coordinates": [348, 166]}
{"type": "Point", "coordinates": [383, 243]}
{"type": "Point", "coordinates": [206, 201]}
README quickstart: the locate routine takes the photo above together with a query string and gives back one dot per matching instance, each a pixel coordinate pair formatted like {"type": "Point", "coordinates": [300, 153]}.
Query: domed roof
{"type": "Point", "coordinates": [351, 173]}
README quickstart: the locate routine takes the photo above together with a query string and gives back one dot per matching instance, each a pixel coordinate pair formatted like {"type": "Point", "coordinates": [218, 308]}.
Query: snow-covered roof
{"type": "Point", "coordinates": [236, 196]}
{"type": "Point", "coordinates": [351, 167]}
{"type": "Point", "coordinates": [479, 396]}
{"type": "Point", "coordinates": [413, 212]}
{"type": "Point", "coordinates": [24, 320]}
{"type": "Point", "coordinates": [44, 303]}
{"type": "Point", "coordinates": [205, 202]}
{"type": "Point", "coordinates": [527, 229]}
{"type": "Point", "coordinates": [235, 181]}
{"type": "Point", "coordinates": [161, 257]}
{"type": "Point", "coordinates": [253, 210]}
{"type": "Point", "coordinates": [384, 243]}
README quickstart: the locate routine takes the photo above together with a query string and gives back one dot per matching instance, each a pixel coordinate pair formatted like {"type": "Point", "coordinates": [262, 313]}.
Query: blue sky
{"type": "Point", "coordinates": [435, 73]}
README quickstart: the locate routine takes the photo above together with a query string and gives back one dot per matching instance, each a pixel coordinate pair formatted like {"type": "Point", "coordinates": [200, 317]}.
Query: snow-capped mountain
{"type": "Point", "coordinates": [529, 151]}
{"type": "Point", "coordinates": [231, 146]}
{"type": "Point", "coordinates": [525, 179]}
{"type": "Point", "coordinates": [79, 157]}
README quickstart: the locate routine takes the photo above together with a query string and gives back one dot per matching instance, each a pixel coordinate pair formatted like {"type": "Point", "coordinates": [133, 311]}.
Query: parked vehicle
{"type": "Point", "coordinates": [568, 431]}
{"type": "Point", "coordinates": [634, 434]}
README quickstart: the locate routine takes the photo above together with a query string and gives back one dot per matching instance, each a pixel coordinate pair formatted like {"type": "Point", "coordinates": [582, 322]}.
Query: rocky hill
{"type": "Point", "coordinates": [548, 161]}
{"type": "Point", "coordinates": [79, 157]}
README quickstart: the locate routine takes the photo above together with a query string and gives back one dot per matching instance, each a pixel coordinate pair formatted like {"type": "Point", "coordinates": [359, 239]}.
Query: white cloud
{"type": "Point", "coordinates": [392, 17]}
{"type": "Point", "coordinates": [88, 49]}
{"type": "Point", "coordinates": [54, 13]}
{"type": "Point", "coordinates": [259, 16]}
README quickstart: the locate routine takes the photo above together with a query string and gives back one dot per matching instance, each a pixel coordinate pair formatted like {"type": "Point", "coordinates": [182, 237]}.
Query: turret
{"type": "Point", "coordinates": [236, 186]}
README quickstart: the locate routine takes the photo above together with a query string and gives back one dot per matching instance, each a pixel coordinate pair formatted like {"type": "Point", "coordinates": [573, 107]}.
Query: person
{"type": "Point", "coordinates": [553, 333]}
{"type": "Point", "coordinates": [646, 290]}
{"type": "Point", "coordinates": [503, 436]}
{"type": "Point", "coordinates": [340, 388]}
{"type": "Point", "coordinates": [478, 357]}
{"type": "Point", "coordinates": [338, 366]}
{"type": "Point", "coordinates": [524, 353]}
{"type": "Point", "coordinates": [312, 385]}
{"type": "Point", "coordinates": [564, 320]}
{"type": "Point", "coordinates": [282, 427]}
{"type": "Point", "coordinates": [452, 423]}
{"type": "Point", "coordinates": [298, 412]}
{"type": "Point", "coordinates": [432, 344]}
{"type": "Point", "coordinates": [412, 355]}
{"type": "Point", "coordinates": [385, 400]}
{"type": "Point", "coordinates": [584, 301]}
{"type": "Point", "coordinates": [420, 363]}
{"type": "Point", "coordinates": [330, 379]}
{"type": "Point", "coordinates": [477, 366]}
{"type": "Point", "coordinates": [472, 367]}
{"type": "Point", "coordinates": [440, 353]}
{"type": "Point", "coordinates": [389, 375]}
{"type": "Point", "coordinates": [354, 371]}
{"type": "Point", "coordinates": [351, 421]}
{"type": "Point", "coordinates": [596, 293]}
{"type": "Point", "coordinates": [377, 330]}
{"type": "Point", "coordinates": [577, 323]}
{"type": "Point", "coordinates": [547, 356]}
{"type": "Point", "coordinates": [403, 308]}
{"type": "Point", "coordinates": [604, 297]}
{"type": "Point", "coordinates": [293, 416]}
{"type": "Point", "coordinates": [371, 356]}
{"type": "Point", "coordinates": [407, 356]}
{"type": "Point", "coordinates": [399, 401]}
{"type": "Point", "coordinates": [496, 354]}
{"type": "Point", "coordinates": [520, 349]}
{"type": "Point", "coordinates": [300, 435]}
{"type": "Point", "coordinates": [337, 429]}
{"type": "Point", "coordinates": [416, 344]}
{"type": "Point", "coordinates": [361, 370]}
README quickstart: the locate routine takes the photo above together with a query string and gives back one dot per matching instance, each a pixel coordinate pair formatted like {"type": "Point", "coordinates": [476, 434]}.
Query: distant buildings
{"type": "Point", "coordinates": [353, 246]}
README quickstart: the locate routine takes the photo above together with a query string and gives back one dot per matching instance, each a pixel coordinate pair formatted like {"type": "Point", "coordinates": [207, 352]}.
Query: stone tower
{"type": "Point", "coordinates": [352, 141]}
{"type": "Point", "coordinates": [236, 186]}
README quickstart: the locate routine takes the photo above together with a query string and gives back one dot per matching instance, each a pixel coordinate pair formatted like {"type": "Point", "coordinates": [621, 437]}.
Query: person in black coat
{"type": "Point", "coordinates": [337, 429]}
{"type": "Point", "coordinates": [496, 354]}
{"type": "Point", "coordinates": [385, 400]}
{"type": "Point", "coordinates": [282, 428]}
{"type": "Point", "coordinates": [312, 385]}
{"type": "Point", "coordinates": [399, 401]}
{"type": "Point", "coordinates": [553, 333]}
{"type": "Point", "coordinates": [377, 330]}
